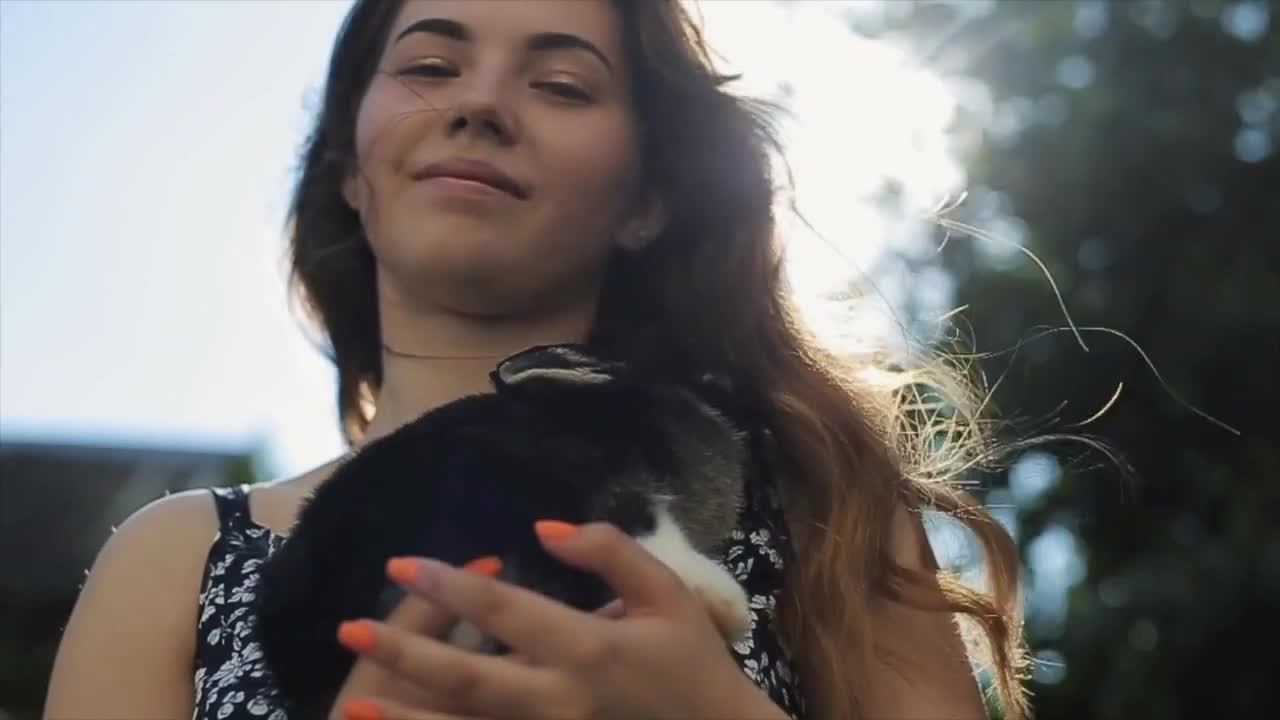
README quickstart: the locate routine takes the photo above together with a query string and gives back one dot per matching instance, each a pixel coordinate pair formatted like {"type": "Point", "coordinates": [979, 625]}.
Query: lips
{"type": "Point", "coordinates": [475, 171]}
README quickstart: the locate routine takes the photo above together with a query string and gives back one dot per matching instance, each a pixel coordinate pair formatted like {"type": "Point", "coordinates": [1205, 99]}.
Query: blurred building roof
{"type": "Point", "coordinates": [59, 501]}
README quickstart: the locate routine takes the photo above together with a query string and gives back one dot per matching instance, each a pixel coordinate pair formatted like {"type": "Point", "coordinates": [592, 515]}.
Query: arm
{"type": "Point", "coordinates": [127, 650]}
{"type": "Point", "coordinates": [932, 677]}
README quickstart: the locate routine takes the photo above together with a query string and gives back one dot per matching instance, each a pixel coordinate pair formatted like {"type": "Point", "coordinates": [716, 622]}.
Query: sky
{"type": "Point", "coordinates": [146, 152]}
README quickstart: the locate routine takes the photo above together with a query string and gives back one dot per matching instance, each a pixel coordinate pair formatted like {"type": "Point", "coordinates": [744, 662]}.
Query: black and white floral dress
{"type": "Point", "coordinates": [233, 682]}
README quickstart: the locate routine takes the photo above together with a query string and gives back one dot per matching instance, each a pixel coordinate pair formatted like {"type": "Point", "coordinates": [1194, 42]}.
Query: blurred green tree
{"type": "Point", "coordinates": [1133, 148]}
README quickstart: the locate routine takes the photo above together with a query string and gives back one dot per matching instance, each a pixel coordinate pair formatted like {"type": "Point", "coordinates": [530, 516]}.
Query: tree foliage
{"type": "Point", "coordinates": [1132, 147]}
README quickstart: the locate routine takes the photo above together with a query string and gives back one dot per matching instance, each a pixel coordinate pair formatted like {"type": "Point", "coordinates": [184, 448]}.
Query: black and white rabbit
{"type": "Point", "coordinates": [566, 436]}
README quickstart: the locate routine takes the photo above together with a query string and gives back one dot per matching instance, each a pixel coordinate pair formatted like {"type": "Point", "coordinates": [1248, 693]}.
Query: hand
{"type": "Point", "coordinates": [418, 616]}
{"type": "Point", "coordinates": [664, 658]}
{"type": "Point", "coordinates": [413, 615]}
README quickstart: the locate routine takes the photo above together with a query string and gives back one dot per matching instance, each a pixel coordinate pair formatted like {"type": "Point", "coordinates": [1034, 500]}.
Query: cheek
{"type": "Point", "coordinates": [590, 171]}
{"type": "Point", "coordinates": [370, 123]}
{"type": "Point", "coordinates": [390, 117]}
{"type": "Point", "coordinates": [595, 162]}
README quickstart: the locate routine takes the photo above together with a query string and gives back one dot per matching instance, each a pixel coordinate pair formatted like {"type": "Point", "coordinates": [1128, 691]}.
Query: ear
{"type": "Point", "coordinates": [645, 225]}
{"type": "Point", "coordinates": [352, 192]}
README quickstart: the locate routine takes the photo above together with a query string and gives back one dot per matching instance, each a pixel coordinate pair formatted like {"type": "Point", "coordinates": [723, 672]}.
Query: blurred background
{"type": "Point", "coordinates": [147, 345]}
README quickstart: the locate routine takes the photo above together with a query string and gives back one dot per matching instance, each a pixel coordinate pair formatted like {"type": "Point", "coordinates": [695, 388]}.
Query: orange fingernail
{"type": "Point", "coordinates": [356, 635]}
{"type": "Point", "coordinates": [554, 530]}
{"type": "Point", "coordinates": [487, 565]}
{"type": "Point", "coordinates": [361, 710]}
{"type": "Point", "coordinates": [405, 571]}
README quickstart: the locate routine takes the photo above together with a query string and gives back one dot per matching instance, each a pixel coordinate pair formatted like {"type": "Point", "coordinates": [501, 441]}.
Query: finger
{"type": "Point", "coordinates": [413, 614]}
{"type": "Point", "coordinates": [529, 623]}
{"type": "Point", "coordinates": [367, 677]}
{"type": "Point", "coordinates": [419, 615]}
{"type": "Point", "coordinates": [614, 610]}
{"type": "Point", "coordinates": [381, 709]}
{"type": "Point", "coordinates": [639, 578]}
{"type": "Point", "coordinates": [486, 685]}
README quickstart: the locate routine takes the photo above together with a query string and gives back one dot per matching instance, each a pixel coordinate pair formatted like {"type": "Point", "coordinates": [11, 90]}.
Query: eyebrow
{"type": "Point", "coordinates": [541, 42]}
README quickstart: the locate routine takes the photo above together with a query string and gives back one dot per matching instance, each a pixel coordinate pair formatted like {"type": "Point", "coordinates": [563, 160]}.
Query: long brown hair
{"type": "Point", "coordinates": [710, 294]}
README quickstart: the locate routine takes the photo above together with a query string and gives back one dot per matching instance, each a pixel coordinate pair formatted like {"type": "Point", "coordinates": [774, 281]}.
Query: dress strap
{"type": "Point", "coordinates": [232, 504]}
{"type": "Point", "coordinates": [765, 491]}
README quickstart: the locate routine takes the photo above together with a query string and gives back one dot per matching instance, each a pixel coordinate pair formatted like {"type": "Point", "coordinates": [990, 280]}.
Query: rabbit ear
{"type": "Point", "coordinates": [566, 364]}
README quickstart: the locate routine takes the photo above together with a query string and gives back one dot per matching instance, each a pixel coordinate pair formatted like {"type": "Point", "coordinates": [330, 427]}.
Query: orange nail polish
{"type": "Point", "coordinates": [361, 710]}
{"type": "Point", "coordinates": [356, 635]}
{"type": "Point", "coordinates": [405, 571]}
{"type": "Point", "coordinates": [554, 530]}
{"type": "Point", "coordinates": [487, 565]}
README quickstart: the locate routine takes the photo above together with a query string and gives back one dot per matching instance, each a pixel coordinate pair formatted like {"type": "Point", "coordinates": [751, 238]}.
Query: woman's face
{"type": "Point", "coordinates": [497, 154]}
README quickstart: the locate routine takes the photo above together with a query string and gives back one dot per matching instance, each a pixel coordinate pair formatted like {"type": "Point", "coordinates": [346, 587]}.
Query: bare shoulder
{"type": "Point", "coordinates": [128, 646]}
{"type": "Point", "coordinates": [189, 513]}
{"type": "Point", "coordinates": [167, 536]}
{"type": "Point", "coordinates": [160, 543]}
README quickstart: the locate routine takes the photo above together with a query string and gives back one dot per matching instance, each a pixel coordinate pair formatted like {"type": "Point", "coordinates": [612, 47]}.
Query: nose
{"type": "Point", "coordinates": [479, 110]}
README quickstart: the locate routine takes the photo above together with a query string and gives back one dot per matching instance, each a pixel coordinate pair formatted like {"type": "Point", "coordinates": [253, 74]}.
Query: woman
{"type": "Point", "coordinates": [487, 176]}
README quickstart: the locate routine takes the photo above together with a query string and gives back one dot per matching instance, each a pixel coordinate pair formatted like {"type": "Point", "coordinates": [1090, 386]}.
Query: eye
{"type": "Point", "coordinates": [433, 68]}
{"type": "Point", "coordinates": [564, 90]}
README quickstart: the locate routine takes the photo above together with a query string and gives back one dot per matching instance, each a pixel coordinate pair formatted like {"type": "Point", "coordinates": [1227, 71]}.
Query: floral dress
{"type": "Point", "coordinates": [233, 681]}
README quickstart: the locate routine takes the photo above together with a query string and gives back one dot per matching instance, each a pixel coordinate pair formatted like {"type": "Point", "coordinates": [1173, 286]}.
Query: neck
{"type": "Point", "coordinates": [454, 356]}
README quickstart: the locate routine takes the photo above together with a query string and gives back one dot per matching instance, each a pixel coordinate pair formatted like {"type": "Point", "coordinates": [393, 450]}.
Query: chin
{"type": "Point", "coordinates": [453, 268]}
{"type": "Point", "coordinates": [473, 256]}
{"type": "Point", "coordinates": [479, 268]}
{"type": "Point", "coordinates": [492, 287]}
{"type": "Point", "coordinates": [474, 288]}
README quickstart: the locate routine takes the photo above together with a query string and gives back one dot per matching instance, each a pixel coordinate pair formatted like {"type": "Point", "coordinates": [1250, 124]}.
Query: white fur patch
{"type": "Point", "coordinates": [715, 587]}
{"type": "Point", "coordinates": [467, 636]}
{"type": "Point", "coordinates": [724, 598]}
